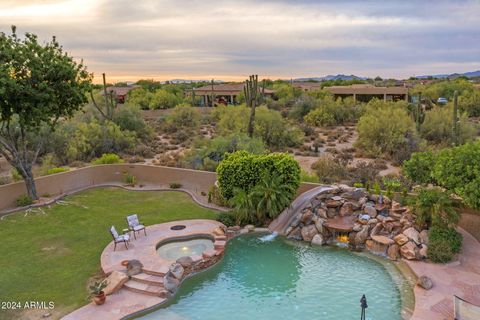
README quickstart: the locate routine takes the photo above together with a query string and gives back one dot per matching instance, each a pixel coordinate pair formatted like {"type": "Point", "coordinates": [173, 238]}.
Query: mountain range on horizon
{"type": "Point", "coordinates": [470, 74]}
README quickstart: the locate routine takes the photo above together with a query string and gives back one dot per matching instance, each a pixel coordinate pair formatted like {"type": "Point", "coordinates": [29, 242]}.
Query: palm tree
{"type": "Point", "coordinates": [435, 207]}
{"type": "Point", "coordinates": [271, 196]}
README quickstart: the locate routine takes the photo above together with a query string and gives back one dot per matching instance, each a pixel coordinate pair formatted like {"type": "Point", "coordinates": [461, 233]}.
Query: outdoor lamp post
{"type": "Point", "coordinates": [363, 305]}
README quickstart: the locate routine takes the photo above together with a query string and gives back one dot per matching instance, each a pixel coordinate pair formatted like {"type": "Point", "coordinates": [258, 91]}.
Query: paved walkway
{"type": "Point", "coordinates": [461, 278]}
{"type": "Point", "coordinates": [124, 302]}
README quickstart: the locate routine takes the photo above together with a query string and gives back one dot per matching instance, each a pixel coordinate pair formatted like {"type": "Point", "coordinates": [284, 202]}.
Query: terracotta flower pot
{"type": "Point", "coordinates": [99, 299]}
{"type": "Point", "coordinates": [124, 263]}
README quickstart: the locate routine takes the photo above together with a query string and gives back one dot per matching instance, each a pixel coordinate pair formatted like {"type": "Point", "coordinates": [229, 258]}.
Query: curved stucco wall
{"type": "Point", "coordinates": [67, 182]}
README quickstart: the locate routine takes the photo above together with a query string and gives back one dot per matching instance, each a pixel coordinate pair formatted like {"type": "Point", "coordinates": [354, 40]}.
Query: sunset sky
{"type": "Point", "coordinates": [229, 40]}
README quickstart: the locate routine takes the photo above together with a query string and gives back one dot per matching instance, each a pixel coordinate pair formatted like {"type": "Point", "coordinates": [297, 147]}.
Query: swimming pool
{"type": "Point", "coordinates": [283, 279]}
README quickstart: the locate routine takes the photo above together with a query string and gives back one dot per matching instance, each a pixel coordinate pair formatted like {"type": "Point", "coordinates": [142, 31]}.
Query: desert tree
{"type": "Point", "coordinates": [40, 84]}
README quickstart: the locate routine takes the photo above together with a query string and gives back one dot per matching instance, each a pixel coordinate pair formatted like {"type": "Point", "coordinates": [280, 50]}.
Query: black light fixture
{"type": "Point", "coordinates": [363, 304]}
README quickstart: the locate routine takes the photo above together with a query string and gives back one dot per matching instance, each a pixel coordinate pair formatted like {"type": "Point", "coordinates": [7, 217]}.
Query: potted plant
{"type": "Point", "coordinates": [96, 290]}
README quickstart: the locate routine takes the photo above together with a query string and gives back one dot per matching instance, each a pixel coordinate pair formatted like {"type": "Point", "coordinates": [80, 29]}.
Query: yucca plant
{"type": "Point", "coordinates": [271, 196]}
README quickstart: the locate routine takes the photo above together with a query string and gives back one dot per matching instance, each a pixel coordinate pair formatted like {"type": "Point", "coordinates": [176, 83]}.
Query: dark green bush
{"type": "Point", "coordinates": [227, 218]}
{"type": "Point", "coordinates": [24, 200]}
{"type": "Point", "coordinates": [108, 158]}
{"type": "Point", "coordinates": [449, 235]}
{"type": "Point", "coordinates": [419, 167]}
{"type": "Point", "coordinates": [175, 185]}
{"type": "Point", "coordinates": [244, 170]}
{"type": "Point", "coordinates": [458, 169]}
{"type": "Point", "coordinates": [440, 251]}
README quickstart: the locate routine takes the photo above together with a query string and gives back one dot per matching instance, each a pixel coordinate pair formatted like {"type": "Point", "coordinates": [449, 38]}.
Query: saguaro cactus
{"type": "Point", "coordinates": [455, 120]}
{"type": "Point", "coordinates": [110, 102]}
{"type": "Point", "coordinates": [250, 90]}
{"type": "Point", "coordinates": [212, 95]}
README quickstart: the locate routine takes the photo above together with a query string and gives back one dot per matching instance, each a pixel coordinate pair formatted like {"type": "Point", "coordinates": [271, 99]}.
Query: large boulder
{"type": "Point", "coordinates": [393, 252]}
{"type": "Point", "coordinates": [412, 234]}
{"type": "Point", "coordinates": [346, 209]}
{"type": "Point", "coordinates": [361, 236]}
{"type": "Point", "coordinates": [296, 234]}
{"type": "Point", "coordinates": [425, 282]}
{"type": "Point", "coordinates": [134, 267]}
{"type": "Point", "coordinates": [318, 240]}
{"type": "Point", "coordinates": [308, 232]}
{"type": "Point", "coordinates": [319, 225]}
{"type": "Point", "coordinates": [307, 216]}
{"type": "Point", "coordinates": [185, 261]}
{"type": "Point", "coordinates": [115, 281]}
{"type": "Point", "coordinates": [170, 282]}
{"type": "Point", "coordinates": [322, 213]}
{"type": "Point", "coordinates": [401, 239]}
{"type": "Point", "coordinates": [218, 231]}
{"type": "Point", "coordinates": [408, 251]}
{"type": "Point", "coordinates": [383, 240]}
{"type": "Point", "coordinates": [177, 270]}
{"type": "Point", "coordinates": [371, 211]}
{"type": "Point", "coordinates": [423, 251]}
{"type": "Point", "coordinates": [423, 235]}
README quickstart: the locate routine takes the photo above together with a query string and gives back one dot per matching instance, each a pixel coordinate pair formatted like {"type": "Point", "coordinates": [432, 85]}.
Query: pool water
{"type": "Point", "coordinates": [176, 249]}
{"type": "Point", "coordinates": [282, 279]}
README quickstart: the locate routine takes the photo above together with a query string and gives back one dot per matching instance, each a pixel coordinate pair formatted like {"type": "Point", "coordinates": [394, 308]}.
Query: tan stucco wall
{"type": "Point", "coordinates": [67, 182]}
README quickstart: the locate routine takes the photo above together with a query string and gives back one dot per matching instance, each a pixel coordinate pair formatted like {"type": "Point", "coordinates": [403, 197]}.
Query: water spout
{"type": "Point", "coordinates": [269, 237]}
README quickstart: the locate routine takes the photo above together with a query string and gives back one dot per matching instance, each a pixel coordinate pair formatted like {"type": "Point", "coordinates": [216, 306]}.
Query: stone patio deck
{"type": "Point", "coordinates": [123, 303]}
{"type": "Point", "coordinates": [461, 278]}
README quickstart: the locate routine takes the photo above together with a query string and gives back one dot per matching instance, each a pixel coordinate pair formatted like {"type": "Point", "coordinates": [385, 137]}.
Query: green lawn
{"type": "Point", "coordinates": [51, 256]}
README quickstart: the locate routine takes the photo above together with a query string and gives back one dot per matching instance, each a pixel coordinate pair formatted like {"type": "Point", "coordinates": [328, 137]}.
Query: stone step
{"type": "Point", "coordinates": [144, 288]}
{"type": "Point", "coordinates": [155, 270]}
{"type": "Point", "coordinates": [221, 238]}
{"type": "Point", "coordinates": [148, 279]}
{"type": "Point", "coordinates": [219, 244]}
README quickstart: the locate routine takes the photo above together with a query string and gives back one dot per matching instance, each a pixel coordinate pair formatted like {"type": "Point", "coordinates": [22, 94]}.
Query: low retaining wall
{"type": "Point", "coordinates": [470, 221]}
{"type": "Point", "coordinates": [67, 182]}
{"type": "Point", "coordinates": [82, 178]}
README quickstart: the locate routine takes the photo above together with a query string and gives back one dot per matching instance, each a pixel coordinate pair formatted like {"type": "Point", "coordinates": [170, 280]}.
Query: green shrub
{"type": "Point", "coordinates": [227, 218]}
{"type": "Point", "coordinates": [440, 251]}
{"type": "Point", "coordinates": [386, 130]}
{"type": "Point", "coordinates": [15, 175]}
{"type": "Point", "coordinates": [108, 158]}
{"type": "Point", "coordinates": [435, 207]}
{"type": "Point", "coordinates": [458, 169]}
{"type": "Point", "coordinates": [163, 99]}
{"type": "Point", "coordinates": [244, 170]}
{"type": "Point", "coordinates": [175, 185]}
{"type": "Point", "coordinates": [450, 235]}
{"type": "Point", "coordinates": [207, 153]}
{"type": "Point", "coordinates": [331, 112]}
{"type": "Point", "coordinates": [183, 116]}
{"type": "Point", "coordinates": [443, 244]}
{"type": "Point", "coordinates": [57, 170]}
{"type": "Point", "coordinates": [129, 178]}
{"type": "Point", "coordinates": [24, 200]}
{"type": "Point", "coordinates": [437, 127]}
{"type": "Point", "coordinates": [308, 177]}
{"type": "Point", "coordinates": [328, 170]}
{"type": "Point", "coordinates": [419, 167]}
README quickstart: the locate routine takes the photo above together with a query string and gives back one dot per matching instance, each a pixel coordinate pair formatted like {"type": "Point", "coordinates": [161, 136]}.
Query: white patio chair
{"type": "Point", "coordinates": [135, 225]}
{"type": "Point", "coordinates": [125, 238]}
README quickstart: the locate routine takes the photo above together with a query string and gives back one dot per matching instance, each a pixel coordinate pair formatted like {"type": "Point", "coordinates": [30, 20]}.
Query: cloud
{"type": "Point", "coordinates": [230, 39]}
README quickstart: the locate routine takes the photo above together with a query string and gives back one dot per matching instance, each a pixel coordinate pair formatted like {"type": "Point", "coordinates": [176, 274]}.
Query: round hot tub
{"type": "Point", "coordinates": [174, 249]}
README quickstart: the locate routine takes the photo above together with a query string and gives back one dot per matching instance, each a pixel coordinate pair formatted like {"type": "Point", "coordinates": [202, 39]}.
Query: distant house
{"type": "Point", "coordinates": [225, 93]}
{"type": "Point", "coordinates": [307, 86]}
{"type": "Point", "coordinates": [120, 93]}
{"type": "Point", "coordinates": [366, 92]}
